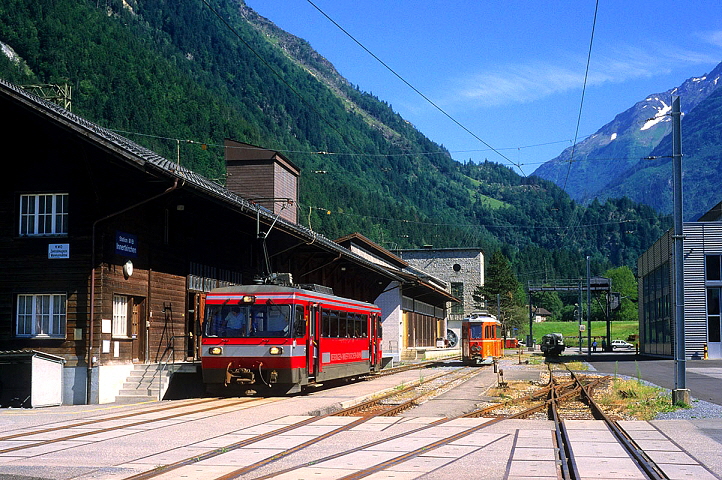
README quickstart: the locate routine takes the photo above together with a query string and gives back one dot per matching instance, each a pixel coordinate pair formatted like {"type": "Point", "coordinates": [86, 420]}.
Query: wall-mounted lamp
{"type": "Point", "coordinates": [127, 269]}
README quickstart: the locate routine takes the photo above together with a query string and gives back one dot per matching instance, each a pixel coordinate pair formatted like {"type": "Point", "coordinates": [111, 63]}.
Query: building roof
{"type": "Point", "coordinates": [430, 248]}
{"type": "Point", "coordinates": [415, 282]}
{"type": "Point", "coordinates": [151, 162]}
{"type": "Point", "coordinates": [714, 215]}
{"type": "Point", "coordinates": [371, 247]}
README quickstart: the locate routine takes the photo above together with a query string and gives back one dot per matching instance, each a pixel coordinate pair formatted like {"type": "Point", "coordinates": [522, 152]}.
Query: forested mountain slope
{"type": "Point", "coordinates": [165, 73]}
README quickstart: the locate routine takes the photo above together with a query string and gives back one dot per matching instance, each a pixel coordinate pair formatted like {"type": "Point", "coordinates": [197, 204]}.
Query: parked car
{"type": "Point", "coordinates": [621, 344]}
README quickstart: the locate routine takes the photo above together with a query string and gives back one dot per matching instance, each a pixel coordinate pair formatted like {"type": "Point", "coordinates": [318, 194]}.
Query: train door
{"type": "Point", "coordinates": [375, 339]}
{"type": "Point", "coordinates": [312, 339]}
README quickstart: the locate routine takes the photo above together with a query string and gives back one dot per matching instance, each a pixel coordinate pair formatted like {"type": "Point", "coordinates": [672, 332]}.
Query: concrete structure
{"type": "Point", "coordinates": [462, 268]}
{"type": "Point", "coordinates": [702, 290]}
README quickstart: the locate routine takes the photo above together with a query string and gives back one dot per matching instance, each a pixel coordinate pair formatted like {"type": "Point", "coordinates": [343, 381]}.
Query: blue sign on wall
{"type": "Point", "coordinates": [126, 244]}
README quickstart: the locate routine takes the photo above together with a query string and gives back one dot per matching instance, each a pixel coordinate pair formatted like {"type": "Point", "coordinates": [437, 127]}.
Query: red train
{"type": "Point", "coordinates": [261, 337]}
{"type": "Point", "coordinates": [481, 340]}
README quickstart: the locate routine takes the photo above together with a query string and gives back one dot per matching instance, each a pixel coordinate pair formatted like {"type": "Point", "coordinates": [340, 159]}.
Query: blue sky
{"type": "Point", "coordinates": [509, 71]}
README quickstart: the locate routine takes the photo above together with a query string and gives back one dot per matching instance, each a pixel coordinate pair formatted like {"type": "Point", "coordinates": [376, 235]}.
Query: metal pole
{"type": "Point", "coordinates": [607, 314]}
{"type": "Point", "coordinates": [580, 309]}
{"type": "Point", "coordinates": [680, 393]}
{"type": "Point", "coordinates": [589, 309]}
{"type": "Point", "coordinates": [530, 337]}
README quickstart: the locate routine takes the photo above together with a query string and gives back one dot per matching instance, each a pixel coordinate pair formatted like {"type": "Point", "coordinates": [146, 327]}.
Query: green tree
{"type": "Point", "coordinates": [624, 282]}
{"type": "Point", "coordinates": [499, 279]}
{"type": "Point", "coordinates": [550, 301]}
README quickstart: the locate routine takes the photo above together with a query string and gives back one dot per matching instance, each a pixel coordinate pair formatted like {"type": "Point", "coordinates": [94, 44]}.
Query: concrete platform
{"type": "Point", "coordinates": [514, 449]}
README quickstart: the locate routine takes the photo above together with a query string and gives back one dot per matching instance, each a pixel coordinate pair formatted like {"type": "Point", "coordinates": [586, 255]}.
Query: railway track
{"type": "Point", "coordinates": [358, 443]}
{"type": "Point", "coordinates": [385, 405]}
{"type": "Point", "coordinates": [549, 399]}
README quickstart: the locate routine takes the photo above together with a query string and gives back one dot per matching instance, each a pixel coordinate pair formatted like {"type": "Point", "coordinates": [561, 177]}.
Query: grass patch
{"type": "Point", "coordinates": [632, 398]}
{"type": "Point", "coordinates": [577, 366]}
{"type": "Point", "coordinates": [570, 330]}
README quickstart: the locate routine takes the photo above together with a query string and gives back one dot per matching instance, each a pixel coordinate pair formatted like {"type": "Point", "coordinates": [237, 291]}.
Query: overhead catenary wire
{"type": "Point", "coordinates": [581, 108]}
{"type": "Point", "coordinates": [584, 90]}
{"type": "Point", "coordinates": [407, 83]}
{"type": "Point", "coordinates": [351, 154]}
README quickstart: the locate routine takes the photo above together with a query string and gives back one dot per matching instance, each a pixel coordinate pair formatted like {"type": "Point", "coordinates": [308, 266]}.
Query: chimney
{"type": "Point", "coordinates": [262, 176]}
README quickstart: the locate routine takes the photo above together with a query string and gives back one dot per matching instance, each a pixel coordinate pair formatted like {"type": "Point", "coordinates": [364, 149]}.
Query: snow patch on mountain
{"type": "Point", "coordinates": [660, 116]}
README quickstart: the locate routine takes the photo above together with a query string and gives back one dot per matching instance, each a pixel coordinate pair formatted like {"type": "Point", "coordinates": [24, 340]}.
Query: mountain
{"type": "Point", "coordinates": [610, 162]}
{"type": "Point", "coordinates": [180, 76]}
{"type": "Point", "coordinates": [650, 180]}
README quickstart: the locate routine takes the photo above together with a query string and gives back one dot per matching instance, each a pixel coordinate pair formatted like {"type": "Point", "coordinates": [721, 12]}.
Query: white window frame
{"type": "Point", "coordinates": [43, 215]}
{"type": "Point", "coordinates": [120, 316]}
{"type": "Point", "coordinates": [41, 315]}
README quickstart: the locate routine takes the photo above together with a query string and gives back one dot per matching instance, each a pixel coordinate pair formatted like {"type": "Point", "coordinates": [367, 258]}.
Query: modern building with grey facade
{"type": "Point", "coordinates": [702, 290]}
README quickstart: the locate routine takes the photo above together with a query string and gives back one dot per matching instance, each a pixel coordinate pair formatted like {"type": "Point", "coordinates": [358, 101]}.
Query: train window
{"type": "Point", "coordinates": [330, 324]}
{"type": "Point", "coordinates": [299, 329]}
{"type": "Point", "coordinates": [364, 325]}
{"type": "Point", "coordinates": [343, 331]}
{"type": "Point", "coordinates": [475, 332]}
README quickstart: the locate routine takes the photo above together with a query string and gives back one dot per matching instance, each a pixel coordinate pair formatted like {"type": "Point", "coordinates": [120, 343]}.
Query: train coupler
{"type": "Point", "coordinates": [239, 375]}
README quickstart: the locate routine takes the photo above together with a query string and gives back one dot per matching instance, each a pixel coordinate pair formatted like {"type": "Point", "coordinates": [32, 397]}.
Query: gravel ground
{"type": "Point", "coordinates": [700, 409]}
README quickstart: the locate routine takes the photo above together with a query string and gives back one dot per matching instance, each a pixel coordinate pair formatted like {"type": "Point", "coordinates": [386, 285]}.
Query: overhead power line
{"type": "Point", "coordinates": [581, 107]}
{"type": "Point", "coordinates": [584, 89]}
{"type": "Point", "coordinates": [431, 102]}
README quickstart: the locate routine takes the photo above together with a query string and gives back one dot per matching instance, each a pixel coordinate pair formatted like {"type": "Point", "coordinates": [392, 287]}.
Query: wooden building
{"type": "Point", "coordinates": [107, 249]}
{"type": "Point", "coordinates": [263, 176]}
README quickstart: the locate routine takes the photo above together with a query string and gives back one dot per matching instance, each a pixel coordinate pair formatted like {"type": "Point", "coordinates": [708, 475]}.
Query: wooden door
{"type": "Point", "coordinates": [138, 331]}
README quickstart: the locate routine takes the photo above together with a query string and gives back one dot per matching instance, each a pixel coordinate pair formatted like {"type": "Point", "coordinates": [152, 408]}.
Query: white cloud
{"type": "Point", "coordinates": [527, 82]}
{"type": "Point", "coordinates": [712, 37]}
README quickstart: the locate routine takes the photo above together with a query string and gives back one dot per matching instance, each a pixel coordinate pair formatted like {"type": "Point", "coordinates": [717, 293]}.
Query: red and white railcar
{"type": "Point", "coordinates": [270, 336]}
{"type": "Point", "coordinates": [481, 340]}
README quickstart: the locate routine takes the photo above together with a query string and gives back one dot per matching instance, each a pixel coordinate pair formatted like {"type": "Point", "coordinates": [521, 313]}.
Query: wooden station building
{"type": "Point", "coordinates": [108, 248]}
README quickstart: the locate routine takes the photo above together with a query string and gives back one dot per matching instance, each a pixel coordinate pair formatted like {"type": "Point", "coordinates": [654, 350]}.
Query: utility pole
{"type": "Point", "coordinates": [580, 308]}
{"type": "Point", "coordinates": [680, 394]}
{"type": "Point", "coordinates": [589, 309]}
{"type": "Point", "coordinates": [530, 337]}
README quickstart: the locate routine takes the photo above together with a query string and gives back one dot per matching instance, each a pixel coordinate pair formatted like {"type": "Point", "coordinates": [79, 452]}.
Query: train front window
{"type": "Point", "coordinates": [475, 332]}
{"type": "Point", "coordinates": [234, 321]}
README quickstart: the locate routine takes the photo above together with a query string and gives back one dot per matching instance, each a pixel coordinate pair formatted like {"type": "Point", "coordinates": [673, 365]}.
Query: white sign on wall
{"type": "Point", "coordinates": [59, 250]}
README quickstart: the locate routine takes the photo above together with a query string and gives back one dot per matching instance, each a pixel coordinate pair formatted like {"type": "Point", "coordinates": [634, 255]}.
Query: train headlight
{"type": "Point", "coordinates": [248, 299]}
{"type": "Point", "coordinates": [276, 350]}
{"type": "Point", "coordinates": [215, 350]}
